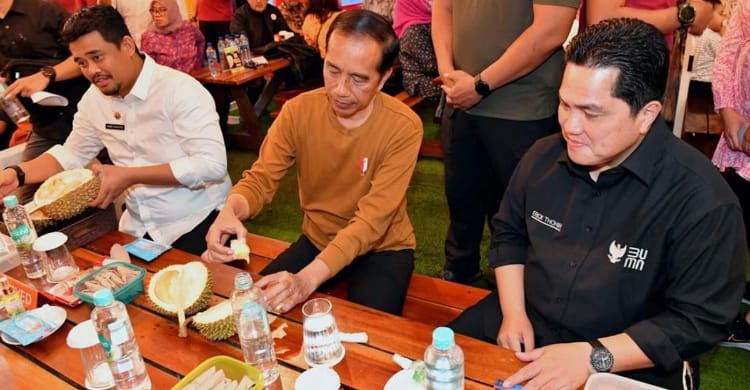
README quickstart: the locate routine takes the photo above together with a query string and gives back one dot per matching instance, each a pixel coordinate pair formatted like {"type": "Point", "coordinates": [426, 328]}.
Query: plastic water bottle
{"type": "Point", "coordinates": [444, 362]}
{"type": "Point", "coordinates": [213, 61]}
{"type": "Point", "coordinates": [22, 231]}
{"type": "Point", "coordinates": [244, 291]}
{"type": "Point", "coordinates": [13, 107]}
{"type": "Point", "coordinates": [245, 54]}
{"type": "Point", "coordinates": [220, 46]}
{"type": "Point", "coordinates": [116, 335]}
{"type": "Point", "coordinates": [256, 341]}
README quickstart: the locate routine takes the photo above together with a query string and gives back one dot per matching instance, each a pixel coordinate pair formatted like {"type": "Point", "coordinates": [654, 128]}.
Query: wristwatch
{"type": "Point", "coordinates": [49, 72]}
{"type": "Point", "coordinates": [481, 86]}
{"type": "Point", "coordinates": [685, 14]}
{"type": "Point", "coordinates": [20, 174]}
{"type": "Point", "coordinates": [601, 359]}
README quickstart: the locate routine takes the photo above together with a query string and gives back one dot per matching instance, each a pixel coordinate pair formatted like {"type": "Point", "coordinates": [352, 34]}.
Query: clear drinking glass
{"type": "Point", "coordinates": [57, 261]}
{"type": "Point", "coordinates": [98, 375]}
{"type": "Point", "coordinates": [321, 343]}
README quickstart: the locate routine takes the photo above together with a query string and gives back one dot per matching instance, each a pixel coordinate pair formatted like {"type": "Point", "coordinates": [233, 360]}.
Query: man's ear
{"type": "Point", "coordinates": [128, 45]}
{"type": "Point", "coordinates": [385, 78]}
{"type": "Point", "coordinates": [647, 115]}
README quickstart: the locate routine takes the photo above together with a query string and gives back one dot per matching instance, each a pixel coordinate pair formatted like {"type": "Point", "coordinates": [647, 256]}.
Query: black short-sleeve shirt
{"type": "Point", "coordinates": [655, 248]}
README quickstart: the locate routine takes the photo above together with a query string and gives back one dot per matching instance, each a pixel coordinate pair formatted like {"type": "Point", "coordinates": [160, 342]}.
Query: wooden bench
{"type": "Point", "coordinates": [429, 300]}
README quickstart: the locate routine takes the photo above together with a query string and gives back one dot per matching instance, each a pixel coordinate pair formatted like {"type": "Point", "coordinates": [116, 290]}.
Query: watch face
{"type": "Point", "coordinates": [687, 13]}
{"type": "Point", "coordinates": [602, 360]}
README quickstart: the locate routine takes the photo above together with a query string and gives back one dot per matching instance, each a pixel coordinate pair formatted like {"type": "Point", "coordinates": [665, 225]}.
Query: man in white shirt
{"type": "Point", "coordinates": [159, 126]}
{"type": "Point", "coordinates": [137, 16]}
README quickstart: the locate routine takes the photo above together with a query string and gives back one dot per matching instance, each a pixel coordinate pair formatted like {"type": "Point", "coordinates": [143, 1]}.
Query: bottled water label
{"type": "Point", "coordinates": [21, 235]}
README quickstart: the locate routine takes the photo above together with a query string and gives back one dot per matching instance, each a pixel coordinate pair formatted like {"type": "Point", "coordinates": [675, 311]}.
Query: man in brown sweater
{"type": "Point", "coordinates": [355, 149]}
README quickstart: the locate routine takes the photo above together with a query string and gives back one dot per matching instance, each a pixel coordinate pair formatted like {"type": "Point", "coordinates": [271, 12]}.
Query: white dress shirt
{"type": "Point", "coordinates": [138, 18]}
{"type": "Point", "coordinates": [168, 117]}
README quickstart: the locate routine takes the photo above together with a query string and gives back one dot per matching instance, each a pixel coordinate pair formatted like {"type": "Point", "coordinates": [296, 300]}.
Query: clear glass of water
{"type": "Point", "coordinates": [321, 343]}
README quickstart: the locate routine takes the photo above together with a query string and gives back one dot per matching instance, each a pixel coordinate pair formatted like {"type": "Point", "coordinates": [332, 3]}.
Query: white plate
{"type": "Point", "coordinates": [402, 381]}
{"type": "Point", "coordinates": [55, 315]}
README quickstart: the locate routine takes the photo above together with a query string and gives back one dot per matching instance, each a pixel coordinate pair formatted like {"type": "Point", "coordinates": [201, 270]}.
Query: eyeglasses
{"type": "Point", "coordinates": [158, 11]}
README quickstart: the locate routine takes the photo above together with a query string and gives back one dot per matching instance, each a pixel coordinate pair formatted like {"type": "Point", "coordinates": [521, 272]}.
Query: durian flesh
{"type": "Point", "coordinates": [216, 323]}
{"type": "Point", "coordinates": [180, 286]}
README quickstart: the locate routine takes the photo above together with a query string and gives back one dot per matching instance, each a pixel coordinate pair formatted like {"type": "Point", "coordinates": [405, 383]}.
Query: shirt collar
{"type": "Point", "coordinates": [640, 163]}
{"type": "Point", "coordinates": [144, 80]}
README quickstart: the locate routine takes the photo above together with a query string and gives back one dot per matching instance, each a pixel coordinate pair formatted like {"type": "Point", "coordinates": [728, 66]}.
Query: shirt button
{"type": "Point", "coordinates": [558, 300]}
{"type": "Point", "coordinates": [588, 229]}
{"type": "Point", "coordinates": [572, 264]}
{"type": "Point", "coordinates": [597, 194]}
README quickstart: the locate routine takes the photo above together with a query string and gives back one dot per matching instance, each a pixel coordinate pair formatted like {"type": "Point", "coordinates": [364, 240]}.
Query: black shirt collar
{"type": "Point", "coordinates": [640, 163]}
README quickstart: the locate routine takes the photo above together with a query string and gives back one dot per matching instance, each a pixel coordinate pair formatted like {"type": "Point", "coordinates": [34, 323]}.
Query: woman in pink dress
{"type": "Point", "coordinates": [731, 88]}
{"type": "Point", "coordinates": [172, 41]}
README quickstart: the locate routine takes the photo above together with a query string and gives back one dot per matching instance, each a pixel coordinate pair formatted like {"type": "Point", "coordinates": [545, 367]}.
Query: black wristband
{"type": "Point", "coordinates": [20, 174]}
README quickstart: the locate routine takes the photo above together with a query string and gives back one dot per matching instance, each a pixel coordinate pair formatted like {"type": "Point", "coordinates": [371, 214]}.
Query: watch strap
{"type": "Point", "coordinates": [20, 174]}
{"type": "Point", "coordinates": [595, 343]}
{"type": "Point", "coordinates": [50, 73]}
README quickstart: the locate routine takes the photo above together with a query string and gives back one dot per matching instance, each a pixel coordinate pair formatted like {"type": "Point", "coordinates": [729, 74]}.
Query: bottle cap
{"type": "Point", "coordinates": [442, 338]}
{"type": "Point", "coordinates": [10, 201]}
{"type": "Point", "coordinates": [243, 281]}
{"type": "Point", "coordinates": [103, 297]}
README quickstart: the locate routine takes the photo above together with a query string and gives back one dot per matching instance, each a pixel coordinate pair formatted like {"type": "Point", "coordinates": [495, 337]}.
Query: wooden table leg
{"type": "Point", "coordinates": [269, 90]}
{"type": "Point", "coordinates": [250, 137]}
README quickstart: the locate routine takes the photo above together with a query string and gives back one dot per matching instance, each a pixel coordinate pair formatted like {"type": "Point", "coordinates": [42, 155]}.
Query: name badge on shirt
{"type": "Point", "coordinates": [114, 126]}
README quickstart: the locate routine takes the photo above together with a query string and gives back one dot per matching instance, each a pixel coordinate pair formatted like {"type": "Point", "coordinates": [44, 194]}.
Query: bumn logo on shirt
{"type": "Point", "coordinates": [635, 258]}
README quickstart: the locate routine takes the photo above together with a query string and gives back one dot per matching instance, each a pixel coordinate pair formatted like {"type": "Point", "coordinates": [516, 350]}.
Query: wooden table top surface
{"type": "Point", "coordinates": [241, 76]}
{"type": "Point", "coordinates": [169, 358]}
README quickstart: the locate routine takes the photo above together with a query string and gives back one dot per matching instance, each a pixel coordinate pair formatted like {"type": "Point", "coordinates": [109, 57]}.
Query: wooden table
{"type": "Point", "coordinates": [251, 135]}
{"type": "Point", "coordinates": [169, 358]}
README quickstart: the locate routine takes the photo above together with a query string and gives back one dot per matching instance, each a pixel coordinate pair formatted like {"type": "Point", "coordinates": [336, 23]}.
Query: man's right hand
{"type": "Point", "coordinates": [8, 181]}
{"type": "Point", "coordinates": [225, 225]}
{"type": "Point", "coordinates": [515, 331]}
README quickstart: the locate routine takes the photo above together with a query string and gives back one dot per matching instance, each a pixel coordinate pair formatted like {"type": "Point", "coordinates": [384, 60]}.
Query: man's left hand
{"type": "Point", "coordinates": [459, 90]}
{"type": "Point", "coordinates": [284, 290]}
{"type": "Point", "coordinates": [556, 366]}
{"type": "Point", "coordinates": [26, 86]}
{"type": "Point", "coordinates": [114, 179]}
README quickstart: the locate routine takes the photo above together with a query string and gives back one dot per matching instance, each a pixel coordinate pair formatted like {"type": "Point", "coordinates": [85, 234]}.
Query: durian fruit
{"type": "Point", "coordinates": [67, 193]}
{"type": "Point", "coordinates": [40, 220]}
{"type": "Point", "coordinates": [180, 289]}
{"type": "Point", "coordinates": [216, 323]}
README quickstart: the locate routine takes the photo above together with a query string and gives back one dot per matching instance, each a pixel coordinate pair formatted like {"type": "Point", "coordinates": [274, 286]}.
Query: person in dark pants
{"type": "Point", "coordinates": [159, 127]}
{"type": "Point", "coordinates": [213, 18]}
{"type": "Point", "coordinates": [32, 59]}
{"type": "Point", "coordinates": [355, 149]}
{"type": "Point", "coordinates": [500, 63]}
{"type": "Point", "coordinates": [617, 247]}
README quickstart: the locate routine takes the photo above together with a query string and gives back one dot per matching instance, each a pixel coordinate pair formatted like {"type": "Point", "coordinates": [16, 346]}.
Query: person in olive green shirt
{"type": "Point", "coordinates": [501, 64]}
{"type": "Point", "coordinates": [355, 149]}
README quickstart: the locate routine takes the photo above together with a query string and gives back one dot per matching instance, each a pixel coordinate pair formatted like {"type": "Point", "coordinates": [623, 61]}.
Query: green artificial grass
{"type": "Point", "coordinates": [721, 368]}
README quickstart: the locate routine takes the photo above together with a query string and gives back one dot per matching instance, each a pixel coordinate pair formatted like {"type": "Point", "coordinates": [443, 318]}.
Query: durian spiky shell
{"type": "Point", "coordinates": [199, 302]}
{"type": "Point", "coordinates": [216, 323]}
{"type": "Point", "coordinates": [75, 197]}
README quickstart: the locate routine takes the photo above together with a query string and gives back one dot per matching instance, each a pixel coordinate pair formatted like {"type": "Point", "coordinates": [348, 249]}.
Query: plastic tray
{"type": "Point", "coordinates": [124, 294]}
{"type": "Point", "coordinates": [233, 369]}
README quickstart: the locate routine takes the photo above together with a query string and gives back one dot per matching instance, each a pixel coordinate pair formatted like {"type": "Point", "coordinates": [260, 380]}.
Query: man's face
{"type": "Point", "coordinates": [351, 76]}
{"type": "Point", "coordinates": [107, 66]}
{"type": "Point", "coordinates": [599, 129]}
{"type": "Point", "coordinates": [258, 5]}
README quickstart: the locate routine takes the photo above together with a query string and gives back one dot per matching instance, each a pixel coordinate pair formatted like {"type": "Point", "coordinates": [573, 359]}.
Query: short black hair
{"type": "Point", "coordinates": [368, 23]}
{"type": "Point", "coordinates": [104, 19]}
{"type": "Point", "coordinates": [322, 8]}
{"type": "Point", "coordinates": [635, 48]}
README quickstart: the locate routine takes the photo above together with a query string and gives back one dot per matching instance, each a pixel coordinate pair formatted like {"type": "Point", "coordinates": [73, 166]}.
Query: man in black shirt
{"type": "Point", "coordinates": [617, 247]}
{"type": "Point", "coordinates": [258, 20]}
{"type": "Point", "coordinates": [34, 59]}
